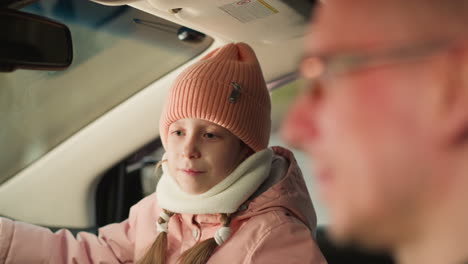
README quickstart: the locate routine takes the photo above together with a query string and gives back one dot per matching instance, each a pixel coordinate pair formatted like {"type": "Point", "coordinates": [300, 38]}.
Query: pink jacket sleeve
{"type": "Point", "coordinates": [26, 243]}
{"type": "Point", "coordinates": [287, 243]}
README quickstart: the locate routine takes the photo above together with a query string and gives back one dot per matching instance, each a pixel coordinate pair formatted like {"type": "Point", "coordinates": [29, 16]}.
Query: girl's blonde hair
{"type": "Point", "coordinates": [156, 254]}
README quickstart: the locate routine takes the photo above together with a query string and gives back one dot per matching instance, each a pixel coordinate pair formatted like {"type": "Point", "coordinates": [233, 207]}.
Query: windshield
{"type": "Point", "coordinates": [118, 51]}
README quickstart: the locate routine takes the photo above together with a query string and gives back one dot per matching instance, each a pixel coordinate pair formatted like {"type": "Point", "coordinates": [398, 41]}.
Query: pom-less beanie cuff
{"type": "Point", "coordinates": [226, 87]}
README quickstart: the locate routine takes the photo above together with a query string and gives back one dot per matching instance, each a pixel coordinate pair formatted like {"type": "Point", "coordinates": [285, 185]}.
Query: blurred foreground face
{"type": "Point", "coordinates": [368, 122]}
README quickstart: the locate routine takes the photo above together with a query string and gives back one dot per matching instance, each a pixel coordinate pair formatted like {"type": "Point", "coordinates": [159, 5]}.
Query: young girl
{"type": "Point", "coordinates": [223, 197]}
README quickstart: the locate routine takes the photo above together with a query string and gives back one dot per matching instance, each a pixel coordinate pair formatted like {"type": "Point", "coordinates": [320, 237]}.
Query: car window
{"type": "Point", "coordinates": [118, 51]}
{"type": "Point", "coordinates": [281, 99]}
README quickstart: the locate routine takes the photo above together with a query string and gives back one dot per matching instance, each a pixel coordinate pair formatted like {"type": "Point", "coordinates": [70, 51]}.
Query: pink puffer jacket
{"type": "Point", "coordinates": [275, 226]}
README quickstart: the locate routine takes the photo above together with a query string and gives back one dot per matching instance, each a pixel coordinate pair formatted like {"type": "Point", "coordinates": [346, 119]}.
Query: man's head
{"type": "Point", "coordinates": [386, 120]}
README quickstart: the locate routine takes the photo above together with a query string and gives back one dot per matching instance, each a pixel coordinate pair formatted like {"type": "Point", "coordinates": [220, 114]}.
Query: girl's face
{"type": "Point", "coordinates": [201, 154]}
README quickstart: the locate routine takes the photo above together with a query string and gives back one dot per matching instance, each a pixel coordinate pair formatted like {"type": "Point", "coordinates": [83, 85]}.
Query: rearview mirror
{"type": "Point", "coordinates": [30, 41]}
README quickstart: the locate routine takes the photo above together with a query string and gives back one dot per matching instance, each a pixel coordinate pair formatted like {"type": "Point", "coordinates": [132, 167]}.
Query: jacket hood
{"type": "Point", "coordinates": [286, 191]}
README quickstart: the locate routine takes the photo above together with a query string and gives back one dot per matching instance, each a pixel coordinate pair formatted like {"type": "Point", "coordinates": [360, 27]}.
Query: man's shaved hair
{"type": "Point", "coordinates": [447, 16]}
{"type": "Point", "coordinates": [423, 17]}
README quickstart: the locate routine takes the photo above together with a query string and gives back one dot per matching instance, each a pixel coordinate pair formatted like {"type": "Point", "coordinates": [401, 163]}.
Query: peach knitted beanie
{"type": "Point", "coordinates": [226, 87]}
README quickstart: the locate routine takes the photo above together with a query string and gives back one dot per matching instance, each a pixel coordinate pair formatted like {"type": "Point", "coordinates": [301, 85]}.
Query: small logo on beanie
{"type": "Point", "coordinates": [235, 93]}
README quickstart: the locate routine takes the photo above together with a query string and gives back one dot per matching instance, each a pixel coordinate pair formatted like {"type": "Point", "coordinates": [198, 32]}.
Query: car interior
{"type": "Point", "coordinates": [79, 131]}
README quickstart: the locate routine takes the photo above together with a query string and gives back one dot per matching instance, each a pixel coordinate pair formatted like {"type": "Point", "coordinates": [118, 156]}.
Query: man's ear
{"type": "Point", "coordinates": [455, 99]}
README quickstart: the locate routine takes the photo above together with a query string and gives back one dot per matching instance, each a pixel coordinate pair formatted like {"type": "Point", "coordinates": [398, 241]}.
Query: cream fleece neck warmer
{"type": "Point", "coordinates": [225, 197]}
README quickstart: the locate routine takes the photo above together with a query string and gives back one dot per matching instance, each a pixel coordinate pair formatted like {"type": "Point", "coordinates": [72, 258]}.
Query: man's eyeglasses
{"type": "Point", "coordinates": [315, 67]}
